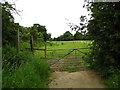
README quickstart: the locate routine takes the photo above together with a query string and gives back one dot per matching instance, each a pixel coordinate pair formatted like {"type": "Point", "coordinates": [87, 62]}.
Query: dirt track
{"type": "Point", "coordinates": [81, 79]}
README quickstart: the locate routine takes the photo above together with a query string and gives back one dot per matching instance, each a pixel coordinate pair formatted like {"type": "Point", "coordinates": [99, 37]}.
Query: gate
{"type": "Point", "coordinates": [70, 61]}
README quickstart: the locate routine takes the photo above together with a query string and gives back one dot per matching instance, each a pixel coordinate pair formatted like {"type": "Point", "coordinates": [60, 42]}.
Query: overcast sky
{"type": "Point", "coordinates": [51, 13]}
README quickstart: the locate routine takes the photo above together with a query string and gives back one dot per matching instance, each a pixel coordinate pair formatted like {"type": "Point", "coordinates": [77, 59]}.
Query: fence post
{"type": "Point", "coordinates": [18, 41]}
{"type": "Point", "coordinates": [45, 50]}
{"type": "Point", "coordinates": [31, 43]}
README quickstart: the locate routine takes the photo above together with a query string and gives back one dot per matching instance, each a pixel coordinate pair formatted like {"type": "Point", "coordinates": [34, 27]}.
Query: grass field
{"type": "Point", "coordinates": [64, 45]}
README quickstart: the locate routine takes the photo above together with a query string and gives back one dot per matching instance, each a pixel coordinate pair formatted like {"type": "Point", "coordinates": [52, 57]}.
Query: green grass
{"type": "Point", "coordinates": [32, 73]}
{"type": "Point", "coordinates": [64, 45]}
{"type": "Point", "coordinates": [68, 45]}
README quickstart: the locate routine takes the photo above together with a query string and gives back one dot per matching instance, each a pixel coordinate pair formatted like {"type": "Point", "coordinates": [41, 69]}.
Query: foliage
{"type": "Point", "coordinates": [25, 34]}
{"type": "Point", "coordinates": [39, 33]}
{"type": "Point", "coordinates": [8, 27]}
{"type": "Point", "coordinates": [67, 36]}
{"type": "Point", "coordinates": [31, 74]}
{"type": "Point", "coordinates": [105, 31]}
{"type": "Point", "coordinates": [114, 80]}
{"type": "Point", "coordinates": [21, 70]}
{"type": "Point", "coordinates": [81, 30]}
{"type": "Point", "coordinates": [11, 59]}
{"type": "Point", "coordinates": [80, 36]}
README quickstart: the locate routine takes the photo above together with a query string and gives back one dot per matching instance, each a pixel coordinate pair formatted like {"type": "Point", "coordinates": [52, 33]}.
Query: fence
{"type": "Point", "coordinates": [63, 63]}
{"type": "Point", "coordinates": [72, 50]}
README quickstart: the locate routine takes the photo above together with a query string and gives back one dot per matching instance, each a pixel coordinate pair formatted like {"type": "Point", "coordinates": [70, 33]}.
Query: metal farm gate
{"type": "Point", "coordinates": [70, 61]}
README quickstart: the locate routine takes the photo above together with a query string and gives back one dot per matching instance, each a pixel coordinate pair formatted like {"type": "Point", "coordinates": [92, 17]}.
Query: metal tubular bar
{"type": "Point", "coordinates": [68, 49]}
{"type": "Point", "coordinates": [68, 67]}
{"type": "Point", "coordinates": [59, 49]}
{"type": "Point", "coordinates": [81, 52]}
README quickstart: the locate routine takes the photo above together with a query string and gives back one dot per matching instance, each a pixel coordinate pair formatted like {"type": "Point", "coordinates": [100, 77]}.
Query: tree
{"type": "Point", "coordinates": [49, 36]}
{"type": "Point", "coordinates": [67, 36]}
{"type": "Point", "coordinates": [104, 29]}
{"type": "Point", "coordinates": [80, 29]}
{"type": "Point", "coordinates": [9, 28]}
{"type": "Point", "coordinates": [40, 32]}
{"type": "Point", "coordinates": [25, 33]}
{"type": "Point", "coordinates": [78, 36]}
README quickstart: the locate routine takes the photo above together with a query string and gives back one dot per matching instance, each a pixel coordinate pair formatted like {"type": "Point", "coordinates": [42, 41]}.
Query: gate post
{"type": "Point", "coordinates": [18, 41]}
{"type": "Point", "coordinates": [45, 50]}
{"type": "Point", "coordinates": [31, 43]}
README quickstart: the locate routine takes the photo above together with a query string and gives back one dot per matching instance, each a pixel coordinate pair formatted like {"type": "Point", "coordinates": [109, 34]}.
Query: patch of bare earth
{"type": "Point", "coordinates": [81, 79]}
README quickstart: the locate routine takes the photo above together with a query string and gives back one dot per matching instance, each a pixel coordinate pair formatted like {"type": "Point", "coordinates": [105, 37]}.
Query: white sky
{"type": "Point", "coordinates": [51, 13]}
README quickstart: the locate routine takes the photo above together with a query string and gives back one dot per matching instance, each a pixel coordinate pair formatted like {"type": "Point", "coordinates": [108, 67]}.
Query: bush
{"type": "Point", "coordinates": [114, 80]}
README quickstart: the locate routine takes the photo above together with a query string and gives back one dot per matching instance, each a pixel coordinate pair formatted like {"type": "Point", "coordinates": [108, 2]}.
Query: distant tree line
{"type": "Point", "coordinates": [67, 36]}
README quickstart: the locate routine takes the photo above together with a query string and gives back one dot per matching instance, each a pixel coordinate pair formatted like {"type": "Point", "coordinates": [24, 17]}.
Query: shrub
{"type": "Point", "coordinates": [114, 80]}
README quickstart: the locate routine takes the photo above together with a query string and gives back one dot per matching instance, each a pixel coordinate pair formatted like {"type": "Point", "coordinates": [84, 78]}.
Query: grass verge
{"type": "Point", "coordinates": [31, 73]}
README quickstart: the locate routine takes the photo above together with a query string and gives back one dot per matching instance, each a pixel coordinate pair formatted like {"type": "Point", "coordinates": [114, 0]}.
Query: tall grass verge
{"type": "Point", "coordinates": [31, 72]}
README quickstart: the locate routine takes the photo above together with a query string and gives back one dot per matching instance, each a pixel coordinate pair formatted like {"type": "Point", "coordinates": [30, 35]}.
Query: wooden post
{"type": "Point", "coordinates": [31, 43]}
{"type": "Point", "coordinates": [18, 41]}
{"type": "Point", "coordinates": [45, 50]}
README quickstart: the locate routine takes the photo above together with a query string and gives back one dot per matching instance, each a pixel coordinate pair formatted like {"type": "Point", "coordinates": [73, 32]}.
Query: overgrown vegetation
{"type": "Point", "coordinates": [22, 69]}
{"type": "Point", "coordinates": [105, 31]}
{"type": "Point", "coordinates": [25, 70]}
